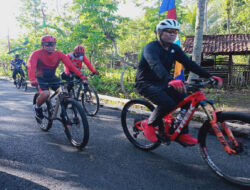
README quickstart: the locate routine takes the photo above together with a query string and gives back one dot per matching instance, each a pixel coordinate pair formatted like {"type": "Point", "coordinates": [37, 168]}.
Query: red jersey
{"type": "Point", "coordinates": [42, 64]}
{"type": "Point", "coordinates": [77, 62]}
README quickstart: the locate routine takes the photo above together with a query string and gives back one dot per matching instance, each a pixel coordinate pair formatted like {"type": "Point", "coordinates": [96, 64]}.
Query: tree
{"type": "Point", "coordinates": [30, 16]}
{"type": "Point", "coordinates": [198, 39]}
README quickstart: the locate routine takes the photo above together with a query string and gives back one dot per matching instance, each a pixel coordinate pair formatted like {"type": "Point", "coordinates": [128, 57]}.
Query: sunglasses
{"type": "Point", "coordinates": [171, 31]}
{"type": "Point", "coordinates": [79, 54]}
{"type": "Point", "coordinates": [50, 44]}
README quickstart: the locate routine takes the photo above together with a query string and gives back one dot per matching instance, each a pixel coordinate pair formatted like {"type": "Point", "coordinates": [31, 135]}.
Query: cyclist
{"type": "Point", "coordinates": [42, 66]}
{"type": "Point", "coordinates": [154, 82]}
{"type": "Point", "coordinates": [77, 57]}
{"type": "Point", "coordinates": [16, 67]}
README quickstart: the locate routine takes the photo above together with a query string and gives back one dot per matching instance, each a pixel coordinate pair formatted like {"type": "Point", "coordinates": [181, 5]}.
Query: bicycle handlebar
{"type": "Point", "coordinates": [200, 83]}
{"type": "Point", "coordinates": [61, 83]}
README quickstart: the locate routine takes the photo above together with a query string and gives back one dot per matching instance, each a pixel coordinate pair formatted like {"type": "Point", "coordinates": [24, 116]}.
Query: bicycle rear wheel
{"type": "Point", "coordinates": [234, 168]}
{"type": "Point", "coordinates": [76, 126]}
{"type": "Point", "coordinates": [90, 101]}
{"type": "Point", "coordinates": [133, 113]}
{"type": "Point", "coordinates": [46, 123]}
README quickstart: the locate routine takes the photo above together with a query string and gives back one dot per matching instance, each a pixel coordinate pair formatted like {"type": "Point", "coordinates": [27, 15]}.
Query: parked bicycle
{"type": "Point", "coordinates": [72, 116]}
{"type": "Point", "coordinates": [86, 93]}
{"type": "Point", "coordinates": [21, 82]}
{"type": "Point", "coordinates": [225, 151]}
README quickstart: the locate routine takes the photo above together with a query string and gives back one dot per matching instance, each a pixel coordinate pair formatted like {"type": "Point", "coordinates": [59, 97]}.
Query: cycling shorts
{"type": "Point", "coordinates": [46, 83]}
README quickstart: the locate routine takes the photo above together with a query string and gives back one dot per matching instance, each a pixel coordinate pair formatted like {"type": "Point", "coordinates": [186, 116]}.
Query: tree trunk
{"type": "Point", "coordinates": [205, 17]}
{"type": "Point", "coordinates": [228, 16]}
{"type": "Point", "coordinates": [198, 39]}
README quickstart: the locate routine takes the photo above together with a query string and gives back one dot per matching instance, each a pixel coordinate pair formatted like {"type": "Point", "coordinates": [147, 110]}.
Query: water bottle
{"type": "Point", "coordinates": [178, 120]}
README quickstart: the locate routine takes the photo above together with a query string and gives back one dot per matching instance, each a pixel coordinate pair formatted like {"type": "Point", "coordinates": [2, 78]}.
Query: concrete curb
{"type": "Point", "coordinates": [118, 103]}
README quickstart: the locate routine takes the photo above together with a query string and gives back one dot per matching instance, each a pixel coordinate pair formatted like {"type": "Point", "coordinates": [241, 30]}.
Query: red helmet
{"type": "Point", "coordinates": [79, 50]}
{"type": "Point", "coordinates": [48, 39]}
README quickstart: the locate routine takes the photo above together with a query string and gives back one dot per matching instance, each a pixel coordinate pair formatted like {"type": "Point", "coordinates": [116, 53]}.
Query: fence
{"type": "Point", "coordinates": [240, 74]}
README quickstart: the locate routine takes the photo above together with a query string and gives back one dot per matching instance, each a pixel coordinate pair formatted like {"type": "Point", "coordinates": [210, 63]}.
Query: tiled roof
{"type": "Point", "coordinates": [221, 44]}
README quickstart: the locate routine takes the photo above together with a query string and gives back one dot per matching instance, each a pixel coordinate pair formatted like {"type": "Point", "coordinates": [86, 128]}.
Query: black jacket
{"type": "Point", "coordinates": [156, 63]}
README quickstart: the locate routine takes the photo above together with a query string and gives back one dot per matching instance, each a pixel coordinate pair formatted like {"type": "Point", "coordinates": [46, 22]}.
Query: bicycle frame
{"type": "Point", "coordinates": [59, 102]}
{"type": "Point", "coordinates": [82, 86]}
{"type": "Point", "coordinates": [196, 99]}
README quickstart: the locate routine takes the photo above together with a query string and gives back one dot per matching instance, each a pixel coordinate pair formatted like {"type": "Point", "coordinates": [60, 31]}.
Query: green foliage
{"type": "Point", "coordinates": [108, 82]}
{"type": "Point", "coordinates": [96, 25]}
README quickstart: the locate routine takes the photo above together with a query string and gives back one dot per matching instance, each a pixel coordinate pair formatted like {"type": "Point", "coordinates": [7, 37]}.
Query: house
{"type": "Point", "coordinates": [217, 56]}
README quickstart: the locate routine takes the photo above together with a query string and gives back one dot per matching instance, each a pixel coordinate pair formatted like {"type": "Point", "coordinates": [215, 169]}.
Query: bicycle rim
{"type": "Point", "coordinates": [90, 101]}
{"type": "Point", "coordinates": [76, 128]}
{"type": "Point", "coordinates": [18, 81]}
{"type": "Point", "coordinates": [24, 85]}
{"type": "Point", "coordinates": [133, 113]}
{"type": "Point", "coordinates": [45, 124]}
{"type": "Point", "coordinates": [234, 168]}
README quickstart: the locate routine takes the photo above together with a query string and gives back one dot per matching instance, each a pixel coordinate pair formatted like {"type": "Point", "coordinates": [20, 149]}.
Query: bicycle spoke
{"type": "Point", "coordinates": [76, 126]}
{"type": "Point", "coordinates": [233, 167]}
{"type": "Point", "coordinates": [133, 113]}
{"type": "Point", "coordinates": [90, 101]}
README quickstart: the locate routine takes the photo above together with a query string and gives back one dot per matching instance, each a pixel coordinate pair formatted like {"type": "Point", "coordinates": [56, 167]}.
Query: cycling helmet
{"type": "Point", "coordinates": [48, 39]}
{"type": "Point", "coordinates": [17, 56]}
{"type": "Point", "coordinates": [168, 24]}
{"type": "Point", "coordinates": [79, 50]}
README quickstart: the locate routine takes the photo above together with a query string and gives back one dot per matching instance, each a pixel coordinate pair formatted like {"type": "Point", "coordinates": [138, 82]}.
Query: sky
{"type": "Point", "coordinates": [9, 10]}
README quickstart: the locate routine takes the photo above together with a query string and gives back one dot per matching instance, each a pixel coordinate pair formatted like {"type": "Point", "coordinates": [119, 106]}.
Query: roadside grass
{"type": "Point", "coordinates": [230, 99]}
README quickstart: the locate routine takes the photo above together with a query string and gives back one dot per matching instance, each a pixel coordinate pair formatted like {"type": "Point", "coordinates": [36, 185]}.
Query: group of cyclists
{"type": "Point", "coordinates": [152, 80]}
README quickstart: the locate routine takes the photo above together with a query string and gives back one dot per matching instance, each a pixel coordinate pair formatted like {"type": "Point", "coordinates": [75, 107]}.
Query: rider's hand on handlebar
{"type": "Point", "coordinates": [95, 73]}
{"type": "Point", "coordinates": [218, 81]}
{"type": "Point", "coordinates": [34, 83]}
{"type": "Point", "coordinates": [84, 79]}
{"type": "Point", "coordinates": [178, 85]}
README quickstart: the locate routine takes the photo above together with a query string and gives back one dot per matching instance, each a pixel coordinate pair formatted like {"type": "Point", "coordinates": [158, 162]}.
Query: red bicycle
{"type": "Point", "coordinates": [225, 150]}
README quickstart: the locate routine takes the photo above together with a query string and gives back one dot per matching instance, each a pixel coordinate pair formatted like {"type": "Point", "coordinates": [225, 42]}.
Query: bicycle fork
{"type": "Point", "coordinates": [220, 135]}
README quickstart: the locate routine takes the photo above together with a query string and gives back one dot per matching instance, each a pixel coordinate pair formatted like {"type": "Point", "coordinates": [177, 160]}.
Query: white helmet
{"type": "Point", "coordinates": [168, 23]}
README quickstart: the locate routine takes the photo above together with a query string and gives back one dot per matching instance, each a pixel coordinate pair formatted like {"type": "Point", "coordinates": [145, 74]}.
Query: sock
{"type": "Point", "coordinates": [36, 106]}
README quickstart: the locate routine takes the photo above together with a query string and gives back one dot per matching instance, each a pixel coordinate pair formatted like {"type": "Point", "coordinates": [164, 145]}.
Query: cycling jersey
{"type": "Point", "coordinates": [77, 62]}
{"type": "Point", "coordinates": [156, 63]}
{"type": "Point", "coordinates": [43, 65]}
{"type": "Point", "coordinates": [17, 64]}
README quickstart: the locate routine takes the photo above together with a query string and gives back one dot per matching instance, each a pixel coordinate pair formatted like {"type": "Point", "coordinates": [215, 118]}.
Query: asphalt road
{"type": "Point", "coordinates": [33, 159]}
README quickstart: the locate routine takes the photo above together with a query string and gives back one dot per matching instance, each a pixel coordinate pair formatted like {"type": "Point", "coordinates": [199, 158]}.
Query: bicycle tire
{"type": "Point", "coordinates": [233, 168]}
{"type": "Point", "coordinates": [74, 108]}
{"type": "Point", "coordinates": [46, 123]}
{"type": "Point", "coordinates": [24, 85]}
{"type": "Point", "coordinates": [90, 101]}
{"type": "Point", "coordinates": [18, 81]}
{"type": "Point", "coordinates": [134, 111]}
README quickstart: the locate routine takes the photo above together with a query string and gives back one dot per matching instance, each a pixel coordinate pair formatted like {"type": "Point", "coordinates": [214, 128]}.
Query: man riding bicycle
{"type": "Point", "coordinates": [42, 66]}
{"type": "Point", "coordinates": [16, 67]}
{"type": "Point", "coordinates": [77, 57]}
{"type": "Point", "coordinates": [154, 82]}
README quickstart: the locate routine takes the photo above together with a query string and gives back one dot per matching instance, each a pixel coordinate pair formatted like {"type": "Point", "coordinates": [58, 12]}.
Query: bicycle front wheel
{"type": "Point", "coordinates": [46, 123]}
{"type": "Point", "coordinates": [133, 113]}
{"type": "Point", "coordinates": [24, 85]}
{"type": "Point", "coordinates": [18, 81]}
{"type": "Point", "coordinates": [90, 101]}
{"type": "Point", "coordinates": [235, 167]}
{"type": "Point", "coordinates": [76, 124]}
